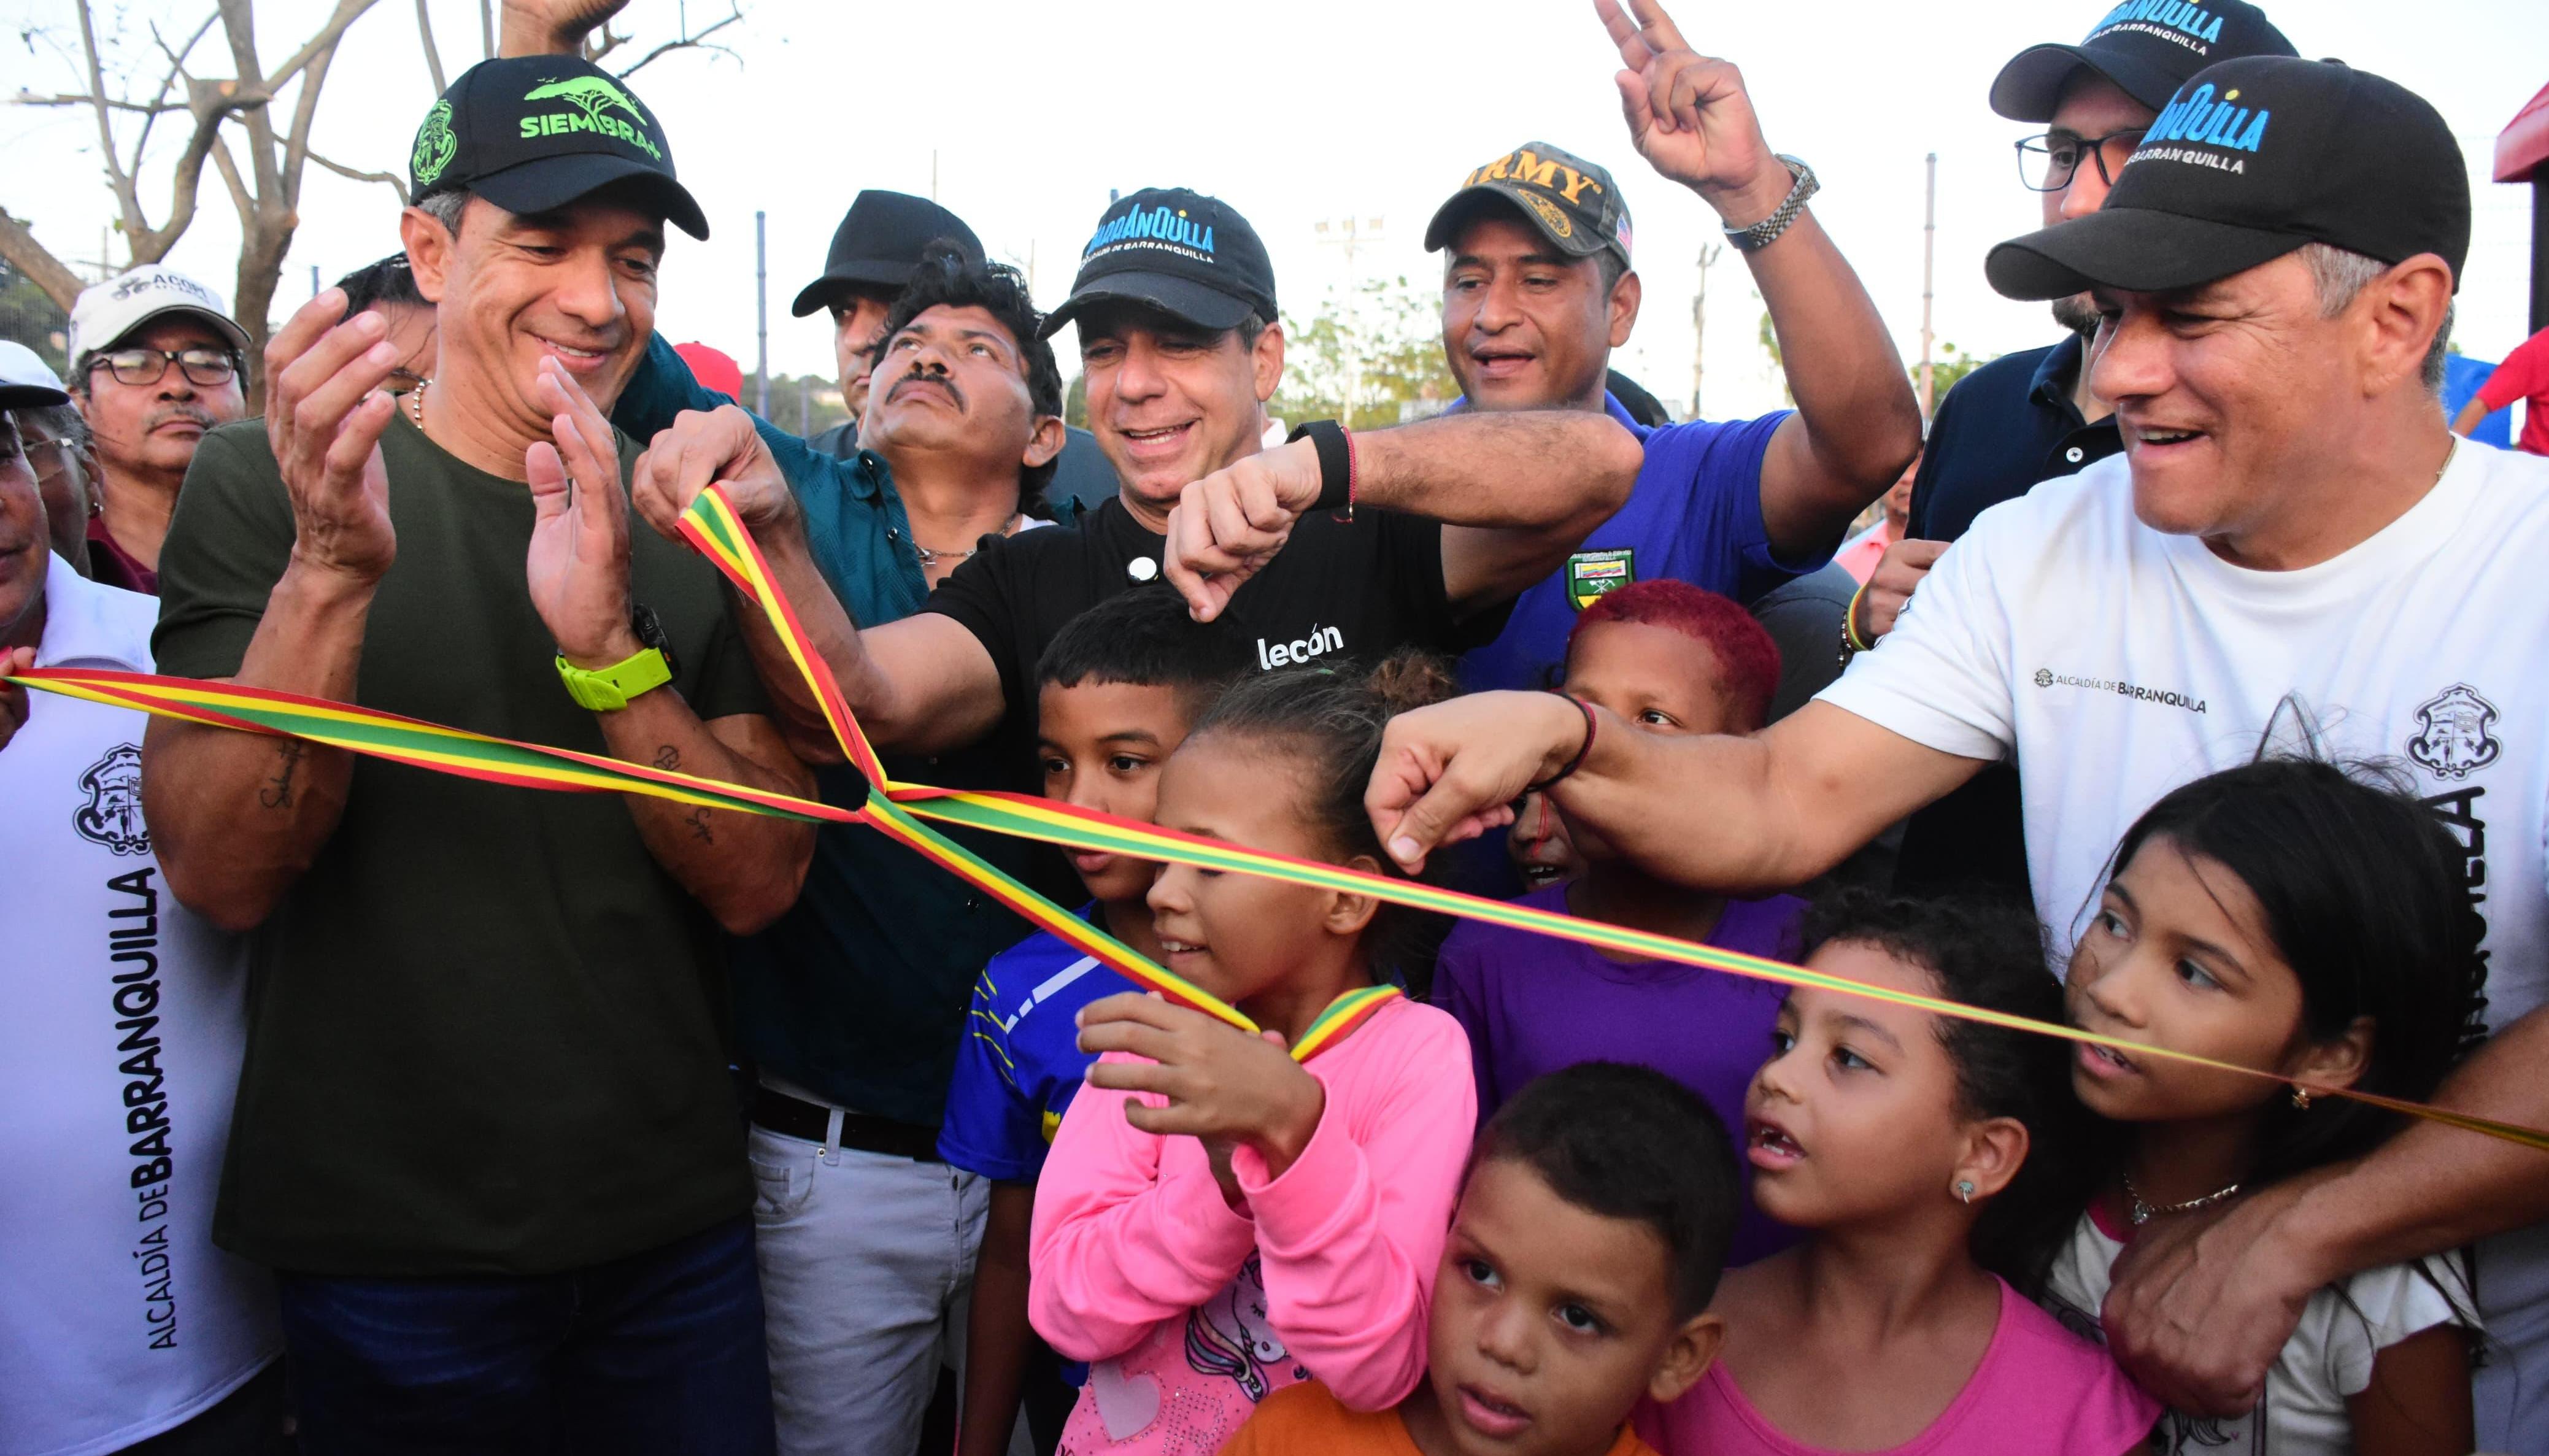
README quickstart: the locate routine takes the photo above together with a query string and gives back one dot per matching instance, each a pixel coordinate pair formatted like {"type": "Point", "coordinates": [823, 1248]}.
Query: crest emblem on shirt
{"type": "Point", "coordinates": [1590, 574]}
{"type": "Point", "coordinates": [2453, 737]}
{"type": "Point", "coordinates": [112, 814]}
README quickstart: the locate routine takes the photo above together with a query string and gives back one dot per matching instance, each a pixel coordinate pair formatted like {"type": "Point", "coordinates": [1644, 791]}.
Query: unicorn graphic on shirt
{"type": "Point", "coordinates": [1232, 1335]}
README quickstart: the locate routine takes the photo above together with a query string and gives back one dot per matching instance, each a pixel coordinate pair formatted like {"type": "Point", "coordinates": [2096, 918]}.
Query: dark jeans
{"type": "Point", "coordinates": [658, 1352]}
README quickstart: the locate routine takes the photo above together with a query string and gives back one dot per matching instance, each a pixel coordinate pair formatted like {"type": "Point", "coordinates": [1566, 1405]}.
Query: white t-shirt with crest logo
{"type": "Point", "coordinates": [123, 1018]}
{"type": "Point", "coordinates": [2115, 663]}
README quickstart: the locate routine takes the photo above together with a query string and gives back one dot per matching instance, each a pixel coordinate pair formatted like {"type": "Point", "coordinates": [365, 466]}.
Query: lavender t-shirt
{"type": "Point", "coordinates": [1533, 1004]}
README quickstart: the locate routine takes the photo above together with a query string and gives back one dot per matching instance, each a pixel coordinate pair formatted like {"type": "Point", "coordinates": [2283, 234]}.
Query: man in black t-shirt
{"type": "Point", "coordinates": [1175, 301]}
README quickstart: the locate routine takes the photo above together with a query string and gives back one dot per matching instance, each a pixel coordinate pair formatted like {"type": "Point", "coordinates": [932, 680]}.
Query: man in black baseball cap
{"type": "Point", "coordinates": [873, 254]}
{"type": "Point", "coordinates": [2028, 417]}
{"type": "Point", "coordinates": [2275, 272]}
{"type": "Point", "coordinates": [533, 1157]}
{"type": "Point", "coordinates": [1329, 545]}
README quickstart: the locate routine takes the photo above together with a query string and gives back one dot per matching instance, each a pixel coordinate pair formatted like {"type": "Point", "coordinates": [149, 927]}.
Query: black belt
{"type": "Point", "coordinates": [792, 1116]}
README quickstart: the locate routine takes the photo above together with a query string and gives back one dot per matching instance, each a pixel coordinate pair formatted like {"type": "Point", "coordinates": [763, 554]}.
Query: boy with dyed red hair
{"type": "Point", "coordinates": [1668, 658]}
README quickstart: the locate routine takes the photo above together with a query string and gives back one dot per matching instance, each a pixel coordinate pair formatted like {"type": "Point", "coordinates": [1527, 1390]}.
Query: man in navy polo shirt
{"type": "Point", "coordinates": [1538, 290]}
{"type": "Point", "coordinates": [2027, 418]}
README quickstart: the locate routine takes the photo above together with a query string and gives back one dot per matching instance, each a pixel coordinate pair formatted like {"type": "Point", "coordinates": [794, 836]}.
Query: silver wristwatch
{"type": "Point", "coordinates": [1766, 231]}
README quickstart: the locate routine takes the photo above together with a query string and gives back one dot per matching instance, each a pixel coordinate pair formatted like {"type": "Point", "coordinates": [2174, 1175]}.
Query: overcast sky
{"type": "Point", "coordinates": [1023, 115]}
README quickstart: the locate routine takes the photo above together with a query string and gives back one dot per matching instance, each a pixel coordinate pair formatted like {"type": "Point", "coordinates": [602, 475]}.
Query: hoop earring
{"type": "Point", "coordinates": [1964, 1190]}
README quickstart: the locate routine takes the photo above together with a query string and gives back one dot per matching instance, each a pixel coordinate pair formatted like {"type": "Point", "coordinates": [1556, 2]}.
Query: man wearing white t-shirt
{"type": "Point", "coordinates": [2290, 520]}
{"type": "Point", "coordinates": [122, 1022]}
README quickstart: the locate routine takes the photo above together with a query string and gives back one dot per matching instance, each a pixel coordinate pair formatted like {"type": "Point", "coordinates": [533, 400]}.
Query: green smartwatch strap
{"type": "Point", "coordinates": [608, 689]}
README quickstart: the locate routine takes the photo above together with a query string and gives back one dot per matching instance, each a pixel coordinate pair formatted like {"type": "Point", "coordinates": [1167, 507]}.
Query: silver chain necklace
{"type": "Point", "coordinates": [929, 558]}
{"type": "Point", "coordinates": [2142, 1213]}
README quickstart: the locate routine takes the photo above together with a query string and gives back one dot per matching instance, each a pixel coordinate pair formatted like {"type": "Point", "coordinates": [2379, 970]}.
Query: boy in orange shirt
{"type": "Point", "coordinates": [1591, 1230]}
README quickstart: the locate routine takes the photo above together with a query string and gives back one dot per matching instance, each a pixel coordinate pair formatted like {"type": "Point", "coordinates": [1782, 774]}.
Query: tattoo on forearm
{"type": "Point", "coordinates": [698, 821]}
{"type": "Point", "coordinates": [277, 793]}
{"type": "Point", "coordinates": [668, 757]}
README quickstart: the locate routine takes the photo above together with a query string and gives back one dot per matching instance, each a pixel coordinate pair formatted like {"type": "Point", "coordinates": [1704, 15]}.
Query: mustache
{"type": "Point", "coordinates": [178, 409]}
{"type": "Point", "coordinates": [922, 376]}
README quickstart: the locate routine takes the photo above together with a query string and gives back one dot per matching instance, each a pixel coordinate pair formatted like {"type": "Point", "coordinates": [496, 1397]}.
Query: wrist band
{"type": "Point", "coordinates": [1849, 621]}
{"type": "Point", "coordinates": [1581, 751]}
{"type": "Point", "coordinates": [1336, 462]}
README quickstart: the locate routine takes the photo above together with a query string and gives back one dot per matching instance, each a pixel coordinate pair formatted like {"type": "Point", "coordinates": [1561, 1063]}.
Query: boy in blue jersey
{"type": "Point", "coordinates": [1116, 692]}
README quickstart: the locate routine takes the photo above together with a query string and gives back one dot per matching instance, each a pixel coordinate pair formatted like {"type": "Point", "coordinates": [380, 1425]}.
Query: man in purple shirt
{"type": "Point", "coordinates": [1537, 289]}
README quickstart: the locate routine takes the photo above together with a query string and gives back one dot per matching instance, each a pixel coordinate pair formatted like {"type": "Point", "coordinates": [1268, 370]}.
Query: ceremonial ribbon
{"type": "Point", "coordinates": [897, 810]}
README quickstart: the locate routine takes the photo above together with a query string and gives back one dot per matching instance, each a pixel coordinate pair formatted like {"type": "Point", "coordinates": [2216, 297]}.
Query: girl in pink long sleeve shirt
{"type": "Point", "coordinates": [1217, 1221]}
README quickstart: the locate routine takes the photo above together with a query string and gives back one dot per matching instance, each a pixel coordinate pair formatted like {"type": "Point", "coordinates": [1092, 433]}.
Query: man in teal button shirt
{"type": "Point", "coordinates": [851, 1007]}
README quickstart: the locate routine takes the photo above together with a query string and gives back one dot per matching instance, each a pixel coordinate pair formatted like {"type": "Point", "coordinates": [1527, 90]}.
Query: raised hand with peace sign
{"type": "Point", "coordinates": [1690, 116]}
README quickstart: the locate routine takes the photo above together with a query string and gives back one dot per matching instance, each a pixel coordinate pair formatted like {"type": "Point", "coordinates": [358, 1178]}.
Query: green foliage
{"type": "Point", "coordinates": [1950, 365]}
{"type": "Point", "coordinates": [30, 316]}
{"type": "Point", "coordinates": [1372, 360]}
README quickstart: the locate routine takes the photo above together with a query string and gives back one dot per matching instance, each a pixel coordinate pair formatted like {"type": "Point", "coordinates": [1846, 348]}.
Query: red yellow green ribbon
{"type": "Point", "coordinates": [897, 810]}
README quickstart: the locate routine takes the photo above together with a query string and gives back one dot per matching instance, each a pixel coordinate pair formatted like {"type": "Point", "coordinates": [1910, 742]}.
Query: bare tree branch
{"type": "Point", "coordinates": [433, 56]}
{"type": "Point", "coordinates": [688, 42]}
{"type": "Point", "coordinates": [347, 12]}
{"type": "Point", "coordinates": [128, 198]}
{"type": "Point", "coordinates": [112, 102]}
{"type": "Point", "coordinates": [176, 73]}
{"type": "Point", "coordinates": [396, 183]}
{"type": "Point", "coordinates": [37, 262]}
{"type": "Point", "coordinates": [227, 167]}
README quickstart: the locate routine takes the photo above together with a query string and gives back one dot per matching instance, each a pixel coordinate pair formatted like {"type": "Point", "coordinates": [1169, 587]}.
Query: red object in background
{"type": "Point", "coordinates": [2523, 144]}
{"type": "Point", "coordinates": [714, 368]}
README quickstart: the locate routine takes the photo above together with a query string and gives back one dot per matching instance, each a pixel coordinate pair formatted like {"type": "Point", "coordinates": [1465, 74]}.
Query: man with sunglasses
{"type": "Point", "coordinates": [154, 367]}
{"type": "Point", "coordinates": [2028, 417]}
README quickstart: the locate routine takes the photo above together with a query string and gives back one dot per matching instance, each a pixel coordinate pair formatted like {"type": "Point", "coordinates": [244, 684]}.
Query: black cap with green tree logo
{"type": "Point", "coordinates": [532, 134]}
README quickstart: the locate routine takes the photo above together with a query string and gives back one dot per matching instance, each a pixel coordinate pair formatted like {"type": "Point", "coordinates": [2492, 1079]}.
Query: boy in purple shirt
{"type": "Point", "coordinates": [1670, 657]}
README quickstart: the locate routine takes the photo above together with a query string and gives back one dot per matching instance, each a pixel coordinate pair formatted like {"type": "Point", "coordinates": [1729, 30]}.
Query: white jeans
{"type": "Point", "coordinates": [867, 1261]}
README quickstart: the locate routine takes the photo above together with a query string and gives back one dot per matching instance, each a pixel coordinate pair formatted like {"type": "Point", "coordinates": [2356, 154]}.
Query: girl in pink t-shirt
{"type": "Point", "coordinates": [1919, 1152]}
{"type": "Point", "coordinates": [1217, 1221]}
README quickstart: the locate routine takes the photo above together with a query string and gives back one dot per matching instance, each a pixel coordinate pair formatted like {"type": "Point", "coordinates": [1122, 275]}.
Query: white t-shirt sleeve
{"type": "Point", "coordinates": [1942, 677]}
{"type": "Point", "coordinates": [2381, 1307]}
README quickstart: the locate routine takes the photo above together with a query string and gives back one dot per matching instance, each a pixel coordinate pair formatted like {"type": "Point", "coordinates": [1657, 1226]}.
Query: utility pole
{"type": "Point", "coordinates": [761, 299]}
{"type": "Point", "coordinates": [1708, 256]}
{"type": "Point", "coordinates": [1929, 256]}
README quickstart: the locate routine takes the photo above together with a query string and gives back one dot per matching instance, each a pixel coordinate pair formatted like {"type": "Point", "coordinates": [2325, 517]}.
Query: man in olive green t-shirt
{"type": "Point", "coordinates": [485, 1133]}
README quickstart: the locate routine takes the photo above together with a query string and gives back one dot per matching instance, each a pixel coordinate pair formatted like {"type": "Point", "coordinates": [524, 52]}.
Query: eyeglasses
{"type": "Point", "coordinates": [141, 367]}
{"type": "Point", "coordinates": [2048, 164]}
{"type": "Point", "coordinates": [46, 458]}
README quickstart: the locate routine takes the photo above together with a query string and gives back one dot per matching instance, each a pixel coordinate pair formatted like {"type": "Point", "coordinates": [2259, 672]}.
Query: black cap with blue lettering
{"type": "Point", "coordinates": [1180, 252]}
{"type": "Point", "coordinates": [533, 133]}
{"type": "Point", "coordinates": [2249, 161]}
{"type": "Point", "coordinates": [2148, 47]}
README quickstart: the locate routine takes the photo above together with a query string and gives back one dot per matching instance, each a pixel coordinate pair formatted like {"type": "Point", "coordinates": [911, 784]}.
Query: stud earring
{"type": "Point", "coordinates": [2301, 1098]}
{"type": "Point", "coordinates": [1964, 1190]}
